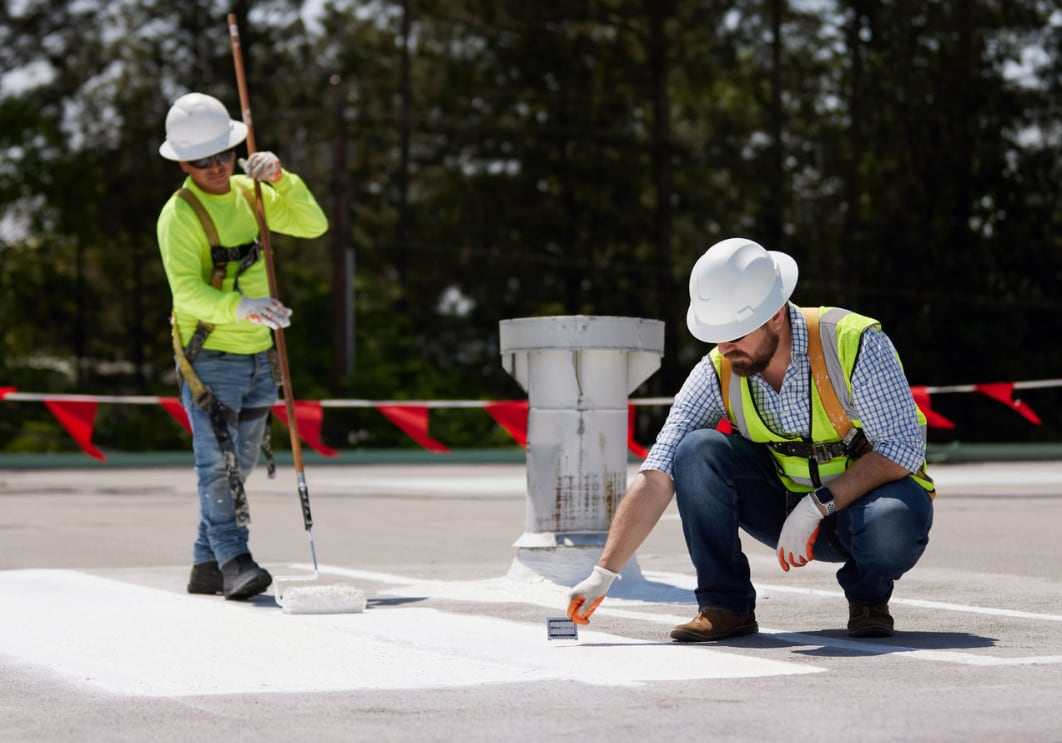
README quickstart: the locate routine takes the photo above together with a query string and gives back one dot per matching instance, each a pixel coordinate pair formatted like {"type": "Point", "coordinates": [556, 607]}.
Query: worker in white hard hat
{"type": "Point", "coordinates": [223, 315]}
{"type": "Point", "coordinates": [799, 427]}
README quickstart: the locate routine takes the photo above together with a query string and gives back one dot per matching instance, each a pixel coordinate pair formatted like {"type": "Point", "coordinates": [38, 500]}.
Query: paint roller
{"type": "Point", "coordinates": [297, 594]}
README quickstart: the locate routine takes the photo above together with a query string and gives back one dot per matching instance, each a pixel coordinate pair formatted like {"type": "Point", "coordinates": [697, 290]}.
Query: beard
{"type": "Point", "coordinates": [748, 364]}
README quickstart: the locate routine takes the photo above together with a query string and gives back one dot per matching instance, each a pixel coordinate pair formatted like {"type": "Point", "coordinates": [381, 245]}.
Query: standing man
{"type": "Point", "coordinates": [222, 317]}
{"type": "Point", "coordinates": [826, 460]}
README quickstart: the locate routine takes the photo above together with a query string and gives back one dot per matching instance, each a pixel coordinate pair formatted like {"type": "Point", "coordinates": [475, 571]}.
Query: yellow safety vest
{"type": "Point", "coordinates": [836, 434]}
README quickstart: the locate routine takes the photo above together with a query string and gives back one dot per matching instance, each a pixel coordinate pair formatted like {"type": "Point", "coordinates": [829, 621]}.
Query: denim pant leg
{"type": "Point", "coordinates": [722, 483]}
{"type": "Point", "coordinates": [878, 538]}
{"type": "Point", "coordinates": [245, 384]}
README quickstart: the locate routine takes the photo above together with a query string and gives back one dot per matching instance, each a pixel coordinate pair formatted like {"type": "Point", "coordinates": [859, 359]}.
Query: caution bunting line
{"type": "Point", "coordinates": [76, 413]}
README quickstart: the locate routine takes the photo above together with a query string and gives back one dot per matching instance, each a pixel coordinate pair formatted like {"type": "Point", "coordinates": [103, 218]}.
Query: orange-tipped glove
{"type": "Point", "coordinates": [590, 592]}
{"type": "Point", "coordinates": [798, 534]}
{"type": "Point", "coordinates": [262, 166]}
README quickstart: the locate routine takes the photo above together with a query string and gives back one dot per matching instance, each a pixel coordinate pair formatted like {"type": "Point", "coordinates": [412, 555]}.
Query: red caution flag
{"type": "Point", "coordinates": [308, 418]}
{"type": "Point", "coordinates": [933, 418]}
{"type": "Point", "coordinates": [173, 406]}
{"type": "Point", "coordinates": [413, 419]}
{"type": "Point", "coordinates": [512, 416]}
{"type": "Point", "coordinates": [78, 418]}
{"type": "Point", "coordinates": [633, 446]}
{"type": "Point", "coordinates": [1004, 392]}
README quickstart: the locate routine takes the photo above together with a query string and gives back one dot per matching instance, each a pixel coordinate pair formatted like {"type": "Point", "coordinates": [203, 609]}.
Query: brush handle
{"type": "Point", "coordinates": [267, 254]}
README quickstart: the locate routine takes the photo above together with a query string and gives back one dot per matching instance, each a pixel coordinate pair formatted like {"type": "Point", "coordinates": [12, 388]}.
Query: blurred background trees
{"type": "Point", "coordinates": [489, 159]}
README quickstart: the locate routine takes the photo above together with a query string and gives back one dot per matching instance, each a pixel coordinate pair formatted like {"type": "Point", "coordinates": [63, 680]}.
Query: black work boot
{"type": "Point", "coordinates": [243, 578]}
{"type": "Point", "coordinates": [206, 578]}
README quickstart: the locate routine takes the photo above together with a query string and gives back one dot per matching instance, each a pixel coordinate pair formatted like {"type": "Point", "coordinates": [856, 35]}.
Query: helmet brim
{"type": "Point", "coordinates": [237, 133]}
{"type": "Point", "coordinates": [728, 331]}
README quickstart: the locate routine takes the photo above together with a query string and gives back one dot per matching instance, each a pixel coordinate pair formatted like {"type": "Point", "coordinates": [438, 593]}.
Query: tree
{"type": "Point", "coordinates": [496, 159]}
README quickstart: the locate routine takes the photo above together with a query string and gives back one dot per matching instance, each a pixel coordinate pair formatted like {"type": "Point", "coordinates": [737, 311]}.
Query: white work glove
{"type": "Point", "coordinates": [262, 166]}
{"type": "Point", "coordinates": [591, 591]}
{"type": "Point", "coordinates": [798, 534]}
{"type": "Point", "coordinates": [263, 311]}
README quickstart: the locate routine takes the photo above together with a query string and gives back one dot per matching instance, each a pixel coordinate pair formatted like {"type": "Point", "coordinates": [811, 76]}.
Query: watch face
{"type": "Point", "coordinates": [825, 499]}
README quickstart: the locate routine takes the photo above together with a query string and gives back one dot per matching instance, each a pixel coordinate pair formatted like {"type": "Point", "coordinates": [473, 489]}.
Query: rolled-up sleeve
{"type": "Point", "coordinates": [292, 208]}
{"type": "Point", "coordinates": [699, 404]}
{"type": "Point", "coordinates": [884, 403]}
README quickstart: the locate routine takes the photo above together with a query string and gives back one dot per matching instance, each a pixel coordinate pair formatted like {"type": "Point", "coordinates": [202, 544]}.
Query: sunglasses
{"type": "Point", "coordinates": [220, 158]}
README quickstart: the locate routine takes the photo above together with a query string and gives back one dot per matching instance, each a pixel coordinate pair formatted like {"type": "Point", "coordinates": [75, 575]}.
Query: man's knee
{"type": "Point", "coordinates": [701, 468]}
{"type": "Point", "coordinates": [704, 443]}
{"type": "Point", "coordinates": [895, 526]}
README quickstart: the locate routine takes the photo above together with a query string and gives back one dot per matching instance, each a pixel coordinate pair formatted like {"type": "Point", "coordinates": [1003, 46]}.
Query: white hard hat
{"type": "Point", "coordinates": [735, 287]}
{"type": "Point", "coordinates": [198, 125]}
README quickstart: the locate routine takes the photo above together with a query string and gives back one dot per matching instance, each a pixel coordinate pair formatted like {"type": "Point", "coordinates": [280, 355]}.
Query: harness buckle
{"type": "Point", "coordinates": [856, 443]}
{"type": "Point", "coordinates": [821, 453]}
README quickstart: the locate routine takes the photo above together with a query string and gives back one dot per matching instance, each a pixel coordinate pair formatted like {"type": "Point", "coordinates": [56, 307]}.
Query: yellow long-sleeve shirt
{"type": "Point", "coordinates": [290, 209]}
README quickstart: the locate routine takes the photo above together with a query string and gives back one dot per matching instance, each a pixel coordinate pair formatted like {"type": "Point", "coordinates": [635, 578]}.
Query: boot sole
{"type": "Point", "coordinates": [871, 632]}
{"type": "Point", "coordinates": [685, 635]}
{"type": "Point", "coordinates": [205, 590]}
{"type": "Point", "coordinates": [251, 587]}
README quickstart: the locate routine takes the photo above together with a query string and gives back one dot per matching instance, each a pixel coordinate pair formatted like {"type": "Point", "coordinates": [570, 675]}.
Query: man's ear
{"type": "Point", "coordinates": [779, 317]}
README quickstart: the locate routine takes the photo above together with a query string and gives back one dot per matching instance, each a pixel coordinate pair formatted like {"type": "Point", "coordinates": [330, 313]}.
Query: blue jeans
{"type": "Point", "coordinates": [245, 384]}
{"type": "Point", "coordinates": [725, 482]}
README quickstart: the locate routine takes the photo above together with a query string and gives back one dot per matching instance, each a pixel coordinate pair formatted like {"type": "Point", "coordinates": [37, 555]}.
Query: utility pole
{"type": "Point", "coordinates": [405, 127]}
{"type": "Point", "coordinates": [343, 266]}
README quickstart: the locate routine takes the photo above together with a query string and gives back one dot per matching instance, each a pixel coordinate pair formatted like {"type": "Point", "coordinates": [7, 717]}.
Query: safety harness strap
{"type": "Point", "coordinates": [725, 373]}
{"type": "Point", "coordinates": [231, 255]}
{"type": "Point", "coordinates": [221, 416]}
{"type": "Point", "coordinates": [820, 374]}
{"type": "Point", "coordinates": [853, 441]}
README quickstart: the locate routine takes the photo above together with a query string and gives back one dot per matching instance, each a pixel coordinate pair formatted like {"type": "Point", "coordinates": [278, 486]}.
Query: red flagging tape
{"type": "Point", "coordinates": [633, 446]}
{"type": "Point", "coordinates": [78, 418]}
{"type": "Point", "coordinates": [308, 418]}
{"type": "Point", "coordinates": [933, 418]}
{"type": "Point", "coordinates": [174, 407]}
{"type": "Point", "coordinates": [413, 420]}
{"type": "Point", "coordinates": [512, 416]}
{"type": "Point", "coordinates": [1004, 392]}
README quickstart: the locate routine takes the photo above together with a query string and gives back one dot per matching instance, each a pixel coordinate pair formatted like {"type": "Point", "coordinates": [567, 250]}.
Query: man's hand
{"type": "Point", "coordinates": [592, 592]}
{"type": "Point", "coordinates": [798, 534]}
{"type": "Point", "coordinates": [263, 311]}
{"type": "Point", "coordinates": [262, 166]}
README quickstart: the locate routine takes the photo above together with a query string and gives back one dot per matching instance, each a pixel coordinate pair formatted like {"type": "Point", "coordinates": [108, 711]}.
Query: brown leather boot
{"type": "Point", "coordinates": [715, 624]}
{"type": "Point", "coordinates": [869, 621]}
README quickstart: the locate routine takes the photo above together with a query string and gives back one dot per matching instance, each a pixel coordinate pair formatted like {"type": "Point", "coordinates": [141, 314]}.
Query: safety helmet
{"type": "Point", "coordinates": [735, 287]}
{"type": "Point", "coordinates": [198, 125]}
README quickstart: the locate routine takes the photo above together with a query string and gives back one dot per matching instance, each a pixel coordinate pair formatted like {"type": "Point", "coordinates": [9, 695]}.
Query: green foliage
{"type": "Point", "coordinates": [502, 159]}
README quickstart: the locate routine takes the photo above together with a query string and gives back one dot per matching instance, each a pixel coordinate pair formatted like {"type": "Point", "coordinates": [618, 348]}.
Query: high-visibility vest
{"type": "Point", "coordinates": [836, 433]}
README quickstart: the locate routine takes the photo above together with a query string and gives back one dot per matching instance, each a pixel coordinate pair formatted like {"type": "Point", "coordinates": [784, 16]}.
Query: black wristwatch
{"type": "Point", "coordinates": [825, 499]}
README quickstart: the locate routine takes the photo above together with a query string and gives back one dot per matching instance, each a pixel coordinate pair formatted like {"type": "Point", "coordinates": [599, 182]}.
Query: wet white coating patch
{"type": "Point", "coordinates": [132, 640]}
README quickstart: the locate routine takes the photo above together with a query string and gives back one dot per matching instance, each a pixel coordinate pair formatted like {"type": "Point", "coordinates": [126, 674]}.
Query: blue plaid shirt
{"type": "Point", "coordinates": [880, 391]}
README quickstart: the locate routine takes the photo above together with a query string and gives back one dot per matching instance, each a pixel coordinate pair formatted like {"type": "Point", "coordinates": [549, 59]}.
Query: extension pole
{"type": "Point", "coordinates": [267, 251]}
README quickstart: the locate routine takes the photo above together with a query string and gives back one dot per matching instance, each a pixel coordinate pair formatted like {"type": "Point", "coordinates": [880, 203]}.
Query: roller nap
{"type": "Point", "coordinates": [335, 598]}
